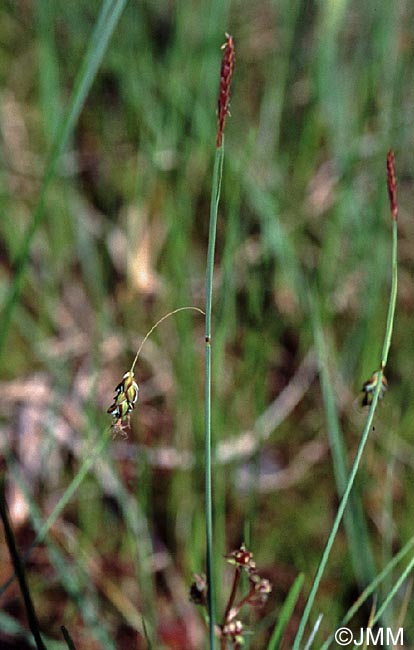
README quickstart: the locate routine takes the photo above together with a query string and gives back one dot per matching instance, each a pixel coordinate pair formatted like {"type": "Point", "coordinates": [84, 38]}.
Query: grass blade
{"type": "Point", "coordinates": [314, 632]}
{"type": "Point", "coordinates": [369, 590]}
{"type": "Point", "coordinates": [286, 612]}
{"type": "Point", "coordinates": [105, 25]}
{"type": "Point", "coordinates": [354, 519]}
{"type": "Point", "coordinates": [403, 577]}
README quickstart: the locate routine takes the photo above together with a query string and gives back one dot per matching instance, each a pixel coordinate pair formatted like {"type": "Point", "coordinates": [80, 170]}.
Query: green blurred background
{"type": "Point", "coordinates": [321, 91]}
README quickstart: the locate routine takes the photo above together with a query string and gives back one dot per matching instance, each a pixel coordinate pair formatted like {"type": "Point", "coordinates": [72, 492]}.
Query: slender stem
{"type": "Point", "coordinates": [370, 589]}
{"type": "Point", "coordinates": [338, 518]}
{"type": "Point", "coordinates": [230, 603]}
{"type": "Point", "coordinates": [215, 196]}
{"type": "Point", "coordinates": [148, 334]}
{"type": "Point", "coordinates": [361, 447]}
{"type": "Point", "coordinates": [396, 588]}
{"type": "Point", "coordinates": [236, 581]}
{"type": "Point", "coordinates": [244, 601]}
{"type": "Point", "coordinates": [393, 296]}
{"type": "Point", "coordinates": [19, 570]}
{"type": "Point", "coordinates": [68, 639]}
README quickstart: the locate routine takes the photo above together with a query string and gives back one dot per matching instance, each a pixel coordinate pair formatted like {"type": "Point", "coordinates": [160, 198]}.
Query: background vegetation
{"type": "Point", "coordinates": [321, 91]}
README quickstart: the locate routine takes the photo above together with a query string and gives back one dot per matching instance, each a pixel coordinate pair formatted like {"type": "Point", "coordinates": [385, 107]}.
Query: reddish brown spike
{"type": "Point", "coordinates": [392, 185]}
{"type": "Point", "coordinates": [226, 73]}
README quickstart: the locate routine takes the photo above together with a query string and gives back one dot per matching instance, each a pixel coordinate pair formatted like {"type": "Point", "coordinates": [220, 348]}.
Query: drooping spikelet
{"type": "Point", "coordinates": [126, 393]}
{"type": "Point", "coordinates": [369, 387]}
{"type": "Point", "coordinates": [125, 399]}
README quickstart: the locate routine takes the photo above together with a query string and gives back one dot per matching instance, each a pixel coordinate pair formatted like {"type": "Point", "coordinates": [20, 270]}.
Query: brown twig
{"type": "Point", "coordinates": [227, 618]}
{"type": "Point", "coordinates": [19, 570]}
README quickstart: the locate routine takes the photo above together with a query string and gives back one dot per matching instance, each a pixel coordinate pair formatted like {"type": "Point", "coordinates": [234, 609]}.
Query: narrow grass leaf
{"type": "Point", "coordinates": [362, 443]}
{"type": "Point", "coordinates": [105, 25]}
{"type": "Point", "coordinates": [370, 589]}
{"type": "Point", "coordinates": [286, 613]}
{"type": "Point", "coordinates": [146, 634]}
{"type": "Point", "coordinates": [397, 586]}
{"type": "Point", "coordinates": [314, 632]}
{"type": "Point", "coordinates": [354, 519]}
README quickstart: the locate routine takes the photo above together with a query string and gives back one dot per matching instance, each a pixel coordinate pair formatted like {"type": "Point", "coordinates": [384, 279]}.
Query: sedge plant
{"type": "Point", "coordinates": [374, 390]}
{"type": "Point", "coordinates": [126, 392]}
{"type": "Point", "coordinates": [125, 400]}
{"type": "Point", "coordinates": [226, 74]}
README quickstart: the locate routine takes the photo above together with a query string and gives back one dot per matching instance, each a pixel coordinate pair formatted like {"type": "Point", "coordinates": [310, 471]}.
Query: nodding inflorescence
{"type": "Point", "coordinates": [126, 393]}
{"type": "Point", "coordinates": [125, 400]}
{"type": "Point", "coordinates": [369, 388]}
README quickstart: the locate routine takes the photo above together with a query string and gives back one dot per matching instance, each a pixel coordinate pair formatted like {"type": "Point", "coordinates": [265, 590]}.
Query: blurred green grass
{"type": "Point", "coordinates": [321, 91]}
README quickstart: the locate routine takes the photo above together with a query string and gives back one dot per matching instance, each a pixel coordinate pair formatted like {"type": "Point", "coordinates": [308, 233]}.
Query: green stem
{"type": "Point", "coordinates": [396, 588]}
{"type": "Point", "coordinates": [370, 589]}
{"type": "Point", "coordinates": [393, 298]}
{"type": "Point", "coordinates": [215, 196]}
{"type": "Point", "coordinates": [361, 447]}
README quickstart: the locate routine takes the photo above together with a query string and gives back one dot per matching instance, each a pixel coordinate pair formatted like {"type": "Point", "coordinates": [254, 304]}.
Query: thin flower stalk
{"type": "Point", "coordinates": [392, 193]}
{"type": "Point", "coordinates": [226, 73]}
{"type": "Point", "coordinates": [259, 589]}
{"type": "Point", "coordinates": [127, 391]}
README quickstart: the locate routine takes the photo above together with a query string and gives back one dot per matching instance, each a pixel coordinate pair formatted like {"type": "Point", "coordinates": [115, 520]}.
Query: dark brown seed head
{"type": "Point", "coordinates": [226, 73]}
{"type": "Point", "coordinates": [243, 558]}
{"type": "Point", "coordinates": [392, 185]}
